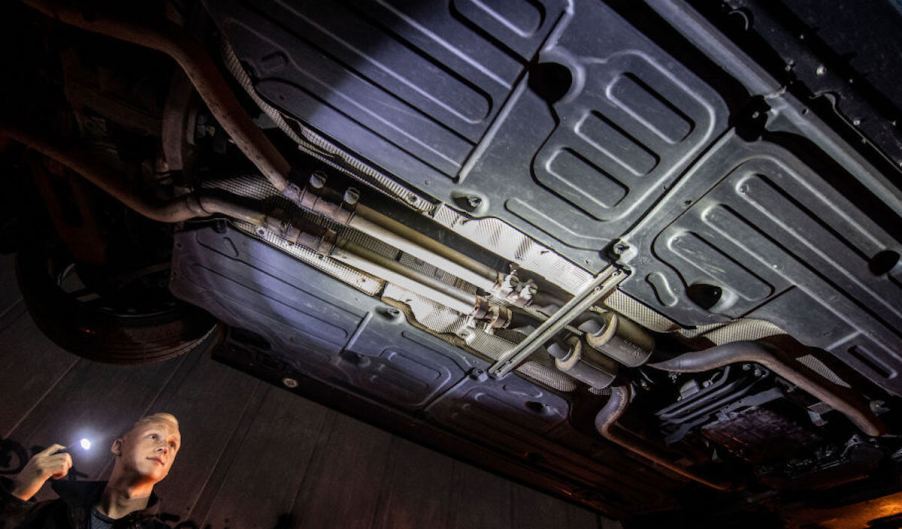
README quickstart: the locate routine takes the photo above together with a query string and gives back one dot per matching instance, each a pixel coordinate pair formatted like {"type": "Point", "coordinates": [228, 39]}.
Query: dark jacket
{"type": "Point", "coordinates": [71, 510]}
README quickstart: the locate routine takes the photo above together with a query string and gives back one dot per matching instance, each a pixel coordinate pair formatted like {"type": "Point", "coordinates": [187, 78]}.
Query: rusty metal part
{"type": "Point", "coordinates": [391, 232]}
{"type": "Point", "coordinates": [393, 272]}
{"type": "Point", "coordinates": [583, 363]}
{"type": "Point", "coordinates": [593, 292]}
{"type": "Point", "coordinates": [311, 236]}
{"type": "Point", "coordinates": [837, 397]}
{"type": "Point", "coordinates": [176, 210]}
{"type": "Point", "coordinates": [318, 147]}
{"type": "Point", "coordinates": [452, 261]}
{"type": "Point", "coordinates": [200, 68]}
{"type": "Point", "coordinates": [309, 197]}
{"type": "Point", "coordinates": [619, 338]}
{"type": "Point", "coordinates": [515, 290]}
{"type": "Point", "coordinates": [366, 220]}
{"type": "Point", "coordinates": [373, 263]}
{"type": "Point", "coordinates": [191, 206]}
{"type": "Point", "coordinates": [469, 299]}
{"type": "Point", "coordinates": [217, 206]}
{"type": "Point", "coordinates": [605, 423]}
{"type": "Point", "coordinates": [489, 315]}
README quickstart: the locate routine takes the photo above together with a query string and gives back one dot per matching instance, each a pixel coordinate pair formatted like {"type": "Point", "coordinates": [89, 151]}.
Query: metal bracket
{"type": "Point", "coordinates": [600, 286]}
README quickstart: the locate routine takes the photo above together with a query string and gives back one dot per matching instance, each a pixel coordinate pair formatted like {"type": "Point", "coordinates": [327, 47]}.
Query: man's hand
{"type": "Point", "coordinates": [43, 466]}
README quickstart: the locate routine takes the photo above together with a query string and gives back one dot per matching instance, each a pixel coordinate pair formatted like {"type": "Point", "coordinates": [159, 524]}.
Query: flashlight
{"type": "Point", "coordinates": [84, 443]}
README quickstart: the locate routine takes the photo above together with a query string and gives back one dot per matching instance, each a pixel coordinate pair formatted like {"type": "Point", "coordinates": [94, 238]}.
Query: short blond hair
{"type": "Point", "coordinates": [163, 417]}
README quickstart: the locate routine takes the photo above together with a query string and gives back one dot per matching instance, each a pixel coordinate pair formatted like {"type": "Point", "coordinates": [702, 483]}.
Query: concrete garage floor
{"type": "Point", "coordinates": [253, 455]}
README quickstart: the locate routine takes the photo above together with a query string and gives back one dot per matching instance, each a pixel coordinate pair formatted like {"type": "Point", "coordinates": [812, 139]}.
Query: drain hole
{"type": "Point", "coordinates": [704, 295]}
{"type": "Point", "coordinates": [883, 262]}
{"type": "Point", "coordinates": [550, 80]}
{"type": "Point", "coordinates": [535, 407]}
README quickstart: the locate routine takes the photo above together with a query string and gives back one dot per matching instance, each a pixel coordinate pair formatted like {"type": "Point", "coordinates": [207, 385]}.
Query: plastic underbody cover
{"type": "Point", "coordinates": [574, 126]}
{"type": "Point", "coordinates": [293, 315]}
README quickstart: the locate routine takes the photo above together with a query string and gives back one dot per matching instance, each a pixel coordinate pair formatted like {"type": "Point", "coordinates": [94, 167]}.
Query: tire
{"type": "Point", "coordinates": [101, 334]}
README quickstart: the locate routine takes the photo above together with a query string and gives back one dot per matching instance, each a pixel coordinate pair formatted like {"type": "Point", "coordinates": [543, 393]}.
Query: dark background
{"type": "Point", "coordinates": [253, 455]}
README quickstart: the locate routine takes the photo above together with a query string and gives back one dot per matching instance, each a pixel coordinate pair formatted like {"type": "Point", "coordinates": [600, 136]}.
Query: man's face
{"type": "Point", "coordinates": [149, 449]}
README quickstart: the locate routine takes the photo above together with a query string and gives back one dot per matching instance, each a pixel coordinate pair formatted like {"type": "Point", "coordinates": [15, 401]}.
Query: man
{"type": "Point", "coordinates": [143, 457]}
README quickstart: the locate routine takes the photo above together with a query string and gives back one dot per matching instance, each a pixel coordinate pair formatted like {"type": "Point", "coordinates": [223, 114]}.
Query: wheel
{"type": "Point", "coordinates": [117, 317]}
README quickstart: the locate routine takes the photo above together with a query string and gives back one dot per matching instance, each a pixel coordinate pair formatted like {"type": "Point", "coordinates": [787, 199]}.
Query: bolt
{"type": "Point", "coordinates": [474, 201]}
{"type": "Point", "coordinates": [878, 406]}
{"type": "Point", "coordinates": [821, 70]}
{"type": "Point", "coordinates": [289, 382]}
{"type": "Point", "coordinates": [856, 122]}
{"type": "Point", "coordinates": [478, 374]}
{"type": "Point", "coordinates": [351, 196]}
{"type": "Point", "coordinates": [261, 232]}
{"type": "Point", "coordinates": [317, 180]}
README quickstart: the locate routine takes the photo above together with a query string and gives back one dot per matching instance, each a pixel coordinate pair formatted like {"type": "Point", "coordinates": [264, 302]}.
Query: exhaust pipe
{"type": "Point", "coordinates": [837, 397]}
{"type": "Point", "coordinates": [606, 421]}
{"type": "Point", "coordinates": [176, 210]}
{"type": "Point", "coordinates": [200, 68]}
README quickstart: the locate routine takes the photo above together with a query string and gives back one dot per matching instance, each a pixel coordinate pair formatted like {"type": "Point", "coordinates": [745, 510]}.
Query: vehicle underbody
{"type": "Point", "coordinates": [641, 255]}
